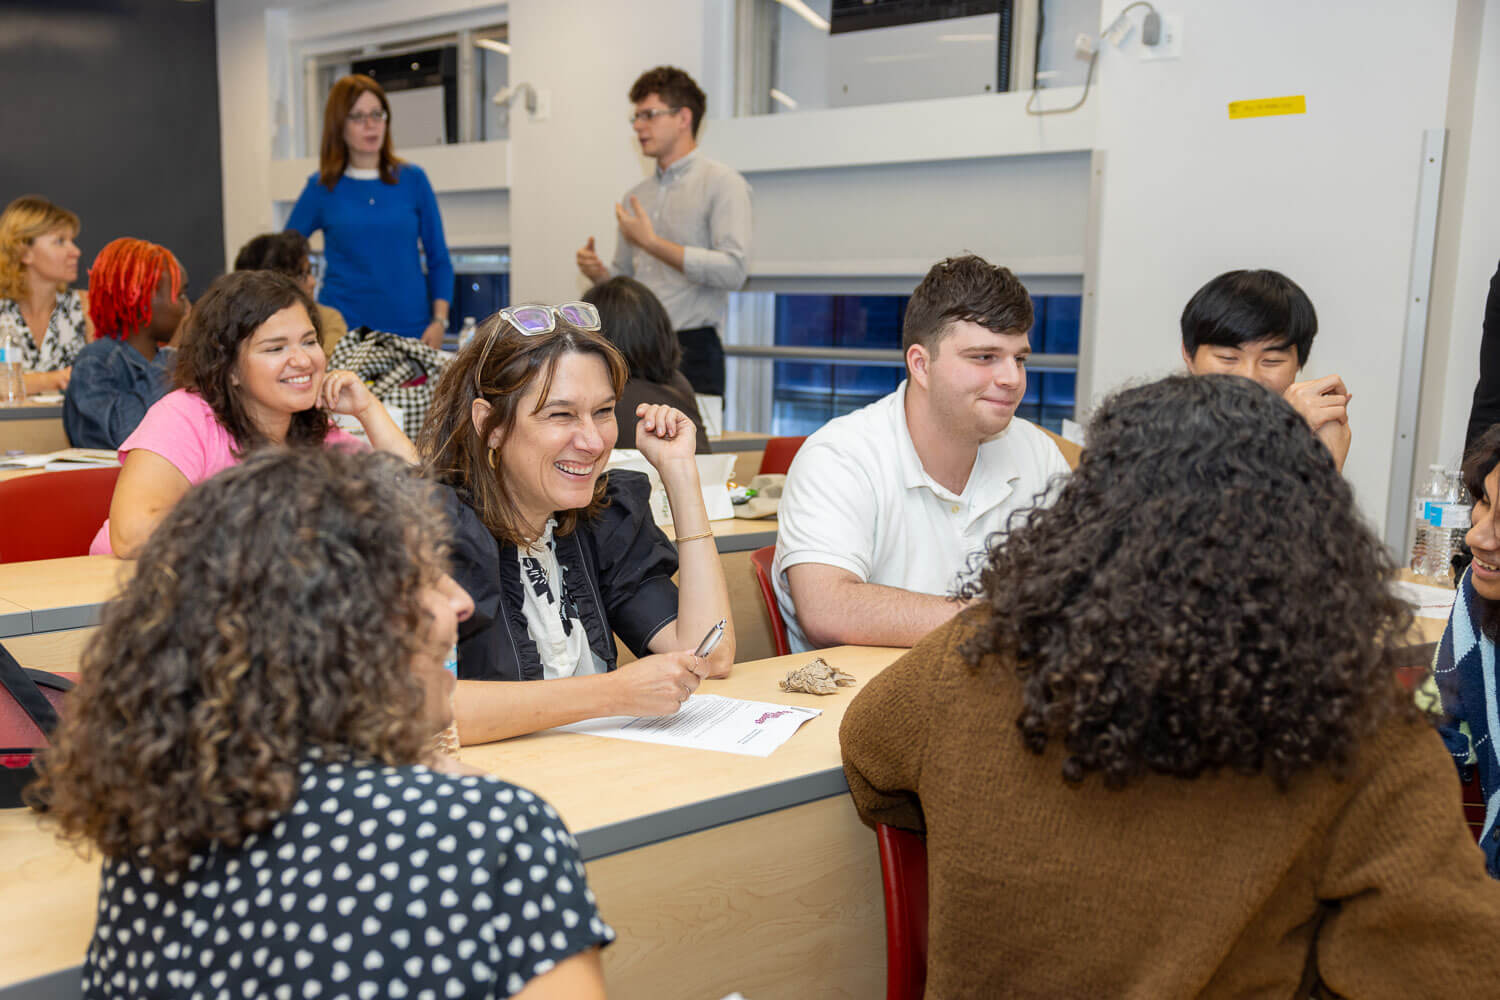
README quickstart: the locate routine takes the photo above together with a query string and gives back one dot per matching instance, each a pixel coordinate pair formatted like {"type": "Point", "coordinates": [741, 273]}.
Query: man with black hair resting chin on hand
{"type": "Point", "coordinates": [1261, 325]}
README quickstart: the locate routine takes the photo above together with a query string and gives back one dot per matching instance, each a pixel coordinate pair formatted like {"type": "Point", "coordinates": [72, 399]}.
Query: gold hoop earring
{"type": "Point", "coordinates": [491, 458]}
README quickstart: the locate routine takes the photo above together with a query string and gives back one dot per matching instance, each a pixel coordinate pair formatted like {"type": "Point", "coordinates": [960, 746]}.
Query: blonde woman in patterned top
{"type": "Point", "coordinates": [38, 261]}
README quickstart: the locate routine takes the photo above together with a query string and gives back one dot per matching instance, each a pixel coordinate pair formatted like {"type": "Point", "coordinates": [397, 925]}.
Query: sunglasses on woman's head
{"type": "Point", "coordinates": [533, 320]}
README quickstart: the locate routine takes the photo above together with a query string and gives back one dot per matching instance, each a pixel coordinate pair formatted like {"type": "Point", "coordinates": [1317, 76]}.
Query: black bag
{"type": "Point", "coordinates": [28, 714]}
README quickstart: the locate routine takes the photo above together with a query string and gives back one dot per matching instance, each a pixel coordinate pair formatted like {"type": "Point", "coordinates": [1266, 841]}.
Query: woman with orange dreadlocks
{"type": "Point", "coordinates": [137, 303]}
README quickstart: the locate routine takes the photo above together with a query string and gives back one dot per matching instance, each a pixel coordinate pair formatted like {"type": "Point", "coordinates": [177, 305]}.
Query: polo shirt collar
{"type": "Point", "coordinates": [985, 487]}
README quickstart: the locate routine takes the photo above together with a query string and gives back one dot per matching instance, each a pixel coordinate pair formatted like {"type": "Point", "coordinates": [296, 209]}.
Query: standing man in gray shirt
{"type": "Point", "coordinates": [685, 231]}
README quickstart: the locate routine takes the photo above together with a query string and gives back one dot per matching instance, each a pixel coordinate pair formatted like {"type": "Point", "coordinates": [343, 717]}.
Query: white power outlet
{"type": "Point", "coordinates": [1169, 46]}
{"type": "Point", "coordinates": [543, 105]}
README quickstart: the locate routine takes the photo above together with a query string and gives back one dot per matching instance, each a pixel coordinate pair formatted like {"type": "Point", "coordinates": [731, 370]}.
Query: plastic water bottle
{"type": "Point", "coordinates": [467, 333]}
{"type": "Point", "coordinates": [1431, 493]}
{"type": "Point", "coordinates": [1459, 516]}
{"type": "Point", "coordinates": [1439, 516]}
{"type": "Point", "coordinates": [12, 371]}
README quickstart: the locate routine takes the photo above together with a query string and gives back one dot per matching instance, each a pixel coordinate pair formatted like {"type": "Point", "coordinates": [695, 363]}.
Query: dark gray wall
{"type": "Point", "coordinates": [111, 110]}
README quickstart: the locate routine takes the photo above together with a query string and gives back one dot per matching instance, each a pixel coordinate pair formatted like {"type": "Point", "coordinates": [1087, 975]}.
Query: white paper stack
{"type": "Point", "coordinates": [68, 458]}
{"type": "Point", "coordinates": [708, 722]}
{"type": "Point", "coordinates": [1426, 601]}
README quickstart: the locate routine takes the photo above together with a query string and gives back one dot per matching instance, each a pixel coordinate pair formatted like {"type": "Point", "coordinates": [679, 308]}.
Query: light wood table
{"type": "Point", "coordinates": [34, 428]}
{"type": "Point", "coordinates": [719, 872]}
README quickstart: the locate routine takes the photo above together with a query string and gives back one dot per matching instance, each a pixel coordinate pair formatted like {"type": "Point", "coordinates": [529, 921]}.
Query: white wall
{"type": "Point", "coordinates": [245, 119]}
{"type": "Point", "coordinates": [1328, 197]}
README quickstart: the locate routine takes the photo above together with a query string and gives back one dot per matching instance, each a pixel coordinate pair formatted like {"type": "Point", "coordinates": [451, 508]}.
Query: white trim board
{"type": "Point", "coordinates": [949, 128]}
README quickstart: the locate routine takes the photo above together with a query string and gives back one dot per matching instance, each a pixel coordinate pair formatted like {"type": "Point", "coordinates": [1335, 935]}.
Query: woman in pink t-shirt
{"type": "Point", "coordinates": [249, 373]}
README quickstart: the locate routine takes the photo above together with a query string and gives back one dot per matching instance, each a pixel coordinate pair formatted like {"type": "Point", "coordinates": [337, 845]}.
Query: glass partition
{"type": "Point", "coordinates": [801, 54]}
{"type": "Point", "coordinates": [796, 55]}
{"type": "Point", "coordinates": [441, 87]}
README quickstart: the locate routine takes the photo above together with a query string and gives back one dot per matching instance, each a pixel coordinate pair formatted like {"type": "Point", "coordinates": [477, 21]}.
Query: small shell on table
{"type": "Point", "coordinates": [817, 677]}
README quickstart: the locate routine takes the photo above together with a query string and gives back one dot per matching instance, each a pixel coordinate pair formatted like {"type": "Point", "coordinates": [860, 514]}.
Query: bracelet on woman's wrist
{"type": "Point", "coordinates": [693, 538]}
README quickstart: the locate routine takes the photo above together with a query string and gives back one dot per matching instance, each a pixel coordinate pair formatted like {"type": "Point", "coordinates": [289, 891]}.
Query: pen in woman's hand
{"type": "Point", "coordinates": [711, 639]}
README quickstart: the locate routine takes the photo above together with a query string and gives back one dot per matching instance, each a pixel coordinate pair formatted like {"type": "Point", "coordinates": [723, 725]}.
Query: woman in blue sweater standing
{"type": "Point", "coordinates": [373, 209]}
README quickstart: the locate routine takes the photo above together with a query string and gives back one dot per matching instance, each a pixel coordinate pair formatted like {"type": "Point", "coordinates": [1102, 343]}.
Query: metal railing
{"type": "Point", "coordinates": [884, 357]}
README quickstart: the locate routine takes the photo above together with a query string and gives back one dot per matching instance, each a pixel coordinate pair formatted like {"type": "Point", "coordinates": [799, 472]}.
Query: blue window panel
{"type": "Point", "coordinates": [803, 376]}
{"type": "Point", "coordinates": [1052, 417]}
{"type": "Point", "coordinates": [1063, 316]}
{"type": "Point", "coordinates": [1058, 388]}
{"type": "Point", "coordinates": [804, 320]}
{"type": "Point", "coordinates": [873, 321]}
{"type": "Point", "coordinates": [1039, 322]}
{"type": "Point", "coordinates": [793, 418]}
{"type": "Point", "coordinates": [872, 381]}
{"type": "Point", "coordinates": [1033, 390]}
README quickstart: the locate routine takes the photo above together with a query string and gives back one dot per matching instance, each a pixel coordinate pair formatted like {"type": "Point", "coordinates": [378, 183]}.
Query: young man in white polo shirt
{"type": "Point", "coordinates": [884, 507]}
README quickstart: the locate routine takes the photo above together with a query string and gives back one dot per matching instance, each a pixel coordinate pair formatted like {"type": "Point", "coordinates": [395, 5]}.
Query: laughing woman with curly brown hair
{"type": "Point", "coordinates": [1165, 755]}
{"type": "Point", "coordinates": [249, 750]}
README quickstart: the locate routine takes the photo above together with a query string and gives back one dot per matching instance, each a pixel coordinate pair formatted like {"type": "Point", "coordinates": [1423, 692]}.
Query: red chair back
{"type": "Point", "coordinates": [779, 454]}
{"type": "Point", "coordinates": [761, 560]}
{"type": "Point", "coordinates": [53, 514]}
{"type": "Point", "coordinates": [1474, 805]}
{"type": "Point", "coordinates": [903, 878]}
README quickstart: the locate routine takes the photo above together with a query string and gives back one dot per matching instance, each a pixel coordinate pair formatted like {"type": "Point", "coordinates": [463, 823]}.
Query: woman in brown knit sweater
{"type": "Point", "coordinates": [1164, 754]}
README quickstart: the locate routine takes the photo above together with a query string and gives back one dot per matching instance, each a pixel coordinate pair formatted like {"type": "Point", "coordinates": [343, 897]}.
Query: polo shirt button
{"type": "Point", "coordinates": [955, 508]}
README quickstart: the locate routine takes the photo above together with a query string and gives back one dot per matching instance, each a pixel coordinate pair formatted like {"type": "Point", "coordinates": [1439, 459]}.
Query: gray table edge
{"type": "Point", "coordinates": [744, 542]}
{"type": "Point", "coordinates": [14, 623]}
{"type": "Point", "coordinates": [695, 817]}
{"type": "Point", "coordinates": [724, 446]}
{"type": "Point", "coordinates": [62, 983]}
{"type": "Point", "coordinates": [50, 412]}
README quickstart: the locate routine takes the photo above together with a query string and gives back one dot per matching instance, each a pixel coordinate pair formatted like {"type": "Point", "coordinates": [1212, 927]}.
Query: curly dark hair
{"type": "Point", "coordinates": [498, 365]}
{"type": "Point", "coordinates": [1482, 457]}
{"type": "Point", "coordinates": [1203, 594]}
{"type": "Point", "coordinates": [275, 609]}
{"type": "Point", "coordinates": [228, 314]}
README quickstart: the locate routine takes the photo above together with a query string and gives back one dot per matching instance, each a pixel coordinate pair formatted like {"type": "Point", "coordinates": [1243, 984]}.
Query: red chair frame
{"type": "Point", "coordinates": [903, 880]}
{"type": "Point", "coordinates": [761, 560]}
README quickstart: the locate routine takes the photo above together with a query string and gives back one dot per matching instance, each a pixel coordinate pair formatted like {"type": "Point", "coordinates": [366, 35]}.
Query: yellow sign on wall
{"type": "Point", "coordinates": [1268, 106]}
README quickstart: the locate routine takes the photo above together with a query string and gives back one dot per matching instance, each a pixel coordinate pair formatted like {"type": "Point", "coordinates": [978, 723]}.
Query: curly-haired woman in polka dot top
{"type": "Point", "coordinates": [249, 751]}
